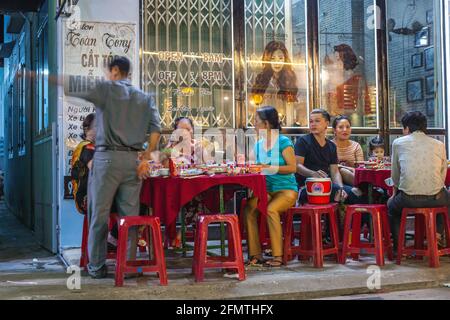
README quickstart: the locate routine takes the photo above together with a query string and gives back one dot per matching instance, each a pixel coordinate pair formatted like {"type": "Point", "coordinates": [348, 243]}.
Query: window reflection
{"type": "Point", "coordinates": [347, 59]}
{"type": "Point", "coordinates": [345, 88]}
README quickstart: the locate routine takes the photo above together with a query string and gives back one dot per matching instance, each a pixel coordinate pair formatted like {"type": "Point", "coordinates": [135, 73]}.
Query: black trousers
{"type": "Point", "coordinates": [402, 200]}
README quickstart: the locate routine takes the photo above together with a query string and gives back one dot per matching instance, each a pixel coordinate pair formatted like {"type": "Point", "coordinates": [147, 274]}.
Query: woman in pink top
{"type": "Point", "coordinates": [349, 152]}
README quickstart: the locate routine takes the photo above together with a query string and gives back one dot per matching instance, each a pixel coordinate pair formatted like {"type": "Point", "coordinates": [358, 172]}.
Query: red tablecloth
{"type": "Point", "coordinates": [377, 177]}
{"type": "Point", "coordinates": [167, 196]}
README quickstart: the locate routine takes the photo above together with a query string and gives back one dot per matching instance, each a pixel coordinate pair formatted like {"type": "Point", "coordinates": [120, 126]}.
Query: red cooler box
{"type": "Point", "coordinates": [318, 190]}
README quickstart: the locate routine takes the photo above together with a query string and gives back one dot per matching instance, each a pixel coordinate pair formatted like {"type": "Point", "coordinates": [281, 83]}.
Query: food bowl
{"type": "Point", "coordinates": [164, 172]}
{"type": "Point", "coordinates": [154, 173]}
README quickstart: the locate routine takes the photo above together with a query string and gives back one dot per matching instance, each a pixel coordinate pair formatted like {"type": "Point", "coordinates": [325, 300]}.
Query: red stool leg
{"type": "Point", "coordinates": [346, 237]}
{"type": "Point", "coordinates": [149, 237]}
{"type": "Point", "coordinates": [84, 258]}
{"type": "Point", "coordinates": [378, 237]}
{"type": "Point", "coordinates": [237, 249]}
{"type": "Point", "coordinates": [121, 254]}
{"type": "Point", "coordinates": [316, 228]}
{"type": "Point", "coordinates": [231, 244]}
{"type": "Point", "coordinates": [158, 252]}
{"type": "Point", "coordinates": [201, 256]}
{"type": "Point", "coordinates": [401, 236]}
{"type": "Point", "coordinates": [356, 233]}
{"type": "Point", "coordinates": [419, 234]}
{"type": "Point", "coordinates": [430, 223]}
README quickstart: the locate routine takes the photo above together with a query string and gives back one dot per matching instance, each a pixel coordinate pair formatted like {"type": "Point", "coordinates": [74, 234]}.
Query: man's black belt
{"type": "Point", "coordinates": [116, 148]}
{"type": "Point", "coordinates": [423, 197]}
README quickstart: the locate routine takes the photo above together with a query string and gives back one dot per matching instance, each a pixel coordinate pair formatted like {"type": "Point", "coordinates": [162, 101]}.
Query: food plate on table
{"type": "Point", "coordinates": [368, 164]}
{"type": "Point", "coordinates": [190, 172]}
{"type": "Point", "coordinates": [164, 172]}
{"type": "Point", "coordinates": [217, 169]}
{"type": "Point", "coordinates": [255, 168]}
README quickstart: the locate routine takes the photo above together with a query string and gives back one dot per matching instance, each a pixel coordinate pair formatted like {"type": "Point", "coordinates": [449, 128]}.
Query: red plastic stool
{"type": "Point", "coordinates": [381, 233]}
{"type": "Point", "coordinates": [157, 264]}
{"type": "Point", "coordinates": [289, 235]}
{"type": "Point", "coordinates": [425, 227]}
{"type": "Point", "coordinates": [235, 258]}
{"type": "Point", "coordinates": [84, 259]}
{"type": "Point", "coordinates": [311, 233]}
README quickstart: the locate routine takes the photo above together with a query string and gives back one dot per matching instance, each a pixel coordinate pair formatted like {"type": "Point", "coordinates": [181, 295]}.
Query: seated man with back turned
{"type": "Point", "coordinates": [419, 168]}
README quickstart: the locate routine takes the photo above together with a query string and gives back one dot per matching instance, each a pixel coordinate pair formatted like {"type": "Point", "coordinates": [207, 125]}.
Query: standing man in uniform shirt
{"type": "Point", "coordinates": [124, 115]}
{"type": "Point", "coordinates": [419, 168]}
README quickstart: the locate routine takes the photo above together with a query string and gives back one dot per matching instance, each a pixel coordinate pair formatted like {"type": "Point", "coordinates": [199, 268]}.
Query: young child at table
{"type": "Point", "coordinates": [376, 149]}
{"type": "Point", "coordinates": [376, 152]}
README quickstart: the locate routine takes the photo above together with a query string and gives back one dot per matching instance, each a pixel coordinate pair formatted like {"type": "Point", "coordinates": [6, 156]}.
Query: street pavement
{"type": "Point", "coordinates": [29, 272]}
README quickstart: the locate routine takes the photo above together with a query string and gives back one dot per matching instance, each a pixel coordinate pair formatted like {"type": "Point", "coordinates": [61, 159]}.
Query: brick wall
{"type": "Point", "coordinates": [401, 48]}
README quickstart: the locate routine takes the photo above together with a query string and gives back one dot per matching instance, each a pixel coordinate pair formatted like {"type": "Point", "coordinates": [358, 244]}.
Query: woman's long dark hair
{"type": "Point", "coordinates": [87, 124]}
{"type": "Point", "coordinates": [287, 82]}
{"type": "Point", "coordinates": [270, 114]}
{"type": "Point", "coordinates": [347, 56]}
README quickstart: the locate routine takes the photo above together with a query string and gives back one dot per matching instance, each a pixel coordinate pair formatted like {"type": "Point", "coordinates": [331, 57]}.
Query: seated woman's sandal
{"type": "Point", "coordinates": [274, 263]}
{"type": "Point", "coordinates": [254, 262]}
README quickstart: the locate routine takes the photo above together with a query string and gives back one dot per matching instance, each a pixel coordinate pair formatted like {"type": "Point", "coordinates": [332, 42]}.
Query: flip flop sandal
{"type": "Point", "coordinates": [441, 240]}
{"type": "Point", "coordinates": [273, 263]}
{"type": "Point", "coordinates": [254, 262]}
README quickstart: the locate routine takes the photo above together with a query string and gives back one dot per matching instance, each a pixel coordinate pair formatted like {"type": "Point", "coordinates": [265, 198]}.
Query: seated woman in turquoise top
{"type": "Point", "coordinates": [275, 153]}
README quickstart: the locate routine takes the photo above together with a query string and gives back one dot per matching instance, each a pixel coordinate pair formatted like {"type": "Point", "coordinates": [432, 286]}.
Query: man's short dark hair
{"type": "Point", "coordinates": [122, 63]}
{"type": "Point", "coordinates": [415, 121]}
{"type": "Point", "coordinates": [323, 112]}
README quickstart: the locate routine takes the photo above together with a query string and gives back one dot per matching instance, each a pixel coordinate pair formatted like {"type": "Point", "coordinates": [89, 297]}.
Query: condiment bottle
{"type": "Point", "coordinates": [172, 168]}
